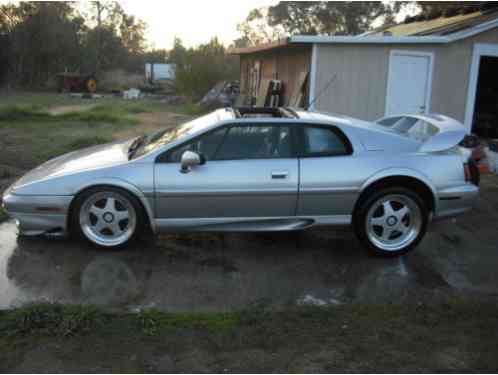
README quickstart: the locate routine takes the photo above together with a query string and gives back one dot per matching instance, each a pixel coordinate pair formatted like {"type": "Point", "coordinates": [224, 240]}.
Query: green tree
{"type": "Point", "coordinates": [256, 30]}
{"type": "Point", "coordinates": [315, 17]}
{"type": "Point", "coordinates": [199, 69]}
{"type": "Point", "coordinates": [44, 38]}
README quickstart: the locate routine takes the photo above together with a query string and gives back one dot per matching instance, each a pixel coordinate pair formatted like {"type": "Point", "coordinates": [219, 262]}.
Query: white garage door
{"type": "Point", "coordinates": [409, 83]}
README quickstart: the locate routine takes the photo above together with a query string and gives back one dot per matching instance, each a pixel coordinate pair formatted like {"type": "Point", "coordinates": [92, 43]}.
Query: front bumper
{"type": "Point", "coordinates": [456, 200]}
{"type": "Point", "coordinates": [38, 214]}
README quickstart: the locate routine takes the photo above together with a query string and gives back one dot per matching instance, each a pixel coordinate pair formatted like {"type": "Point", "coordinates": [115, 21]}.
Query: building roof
{"type": "Point", "coordinates": [436, 26]}
{"type": "Point", "coordinates": [439, 30]}
{"type": "Point", "coordinates": [260, 47]}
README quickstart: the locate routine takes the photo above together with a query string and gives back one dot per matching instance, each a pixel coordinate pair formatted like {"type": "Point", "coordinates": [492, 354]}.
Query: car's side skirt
{"type": "Point", "coordinates": [249, 224]}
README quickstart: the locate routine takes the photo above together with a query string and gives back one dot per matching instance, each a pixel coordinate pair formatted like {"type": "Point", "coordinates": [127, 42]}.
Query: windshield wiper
{"type": "Point", "coordinates": [137, 143]}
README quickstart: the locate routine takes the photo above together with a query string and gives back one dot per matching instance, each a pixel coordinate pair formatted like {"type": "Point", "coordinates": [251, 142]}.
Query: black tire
{"type": "Point", "coordinates": [141, 218]}
{"type": "Point", "coordinates": [361, 213]}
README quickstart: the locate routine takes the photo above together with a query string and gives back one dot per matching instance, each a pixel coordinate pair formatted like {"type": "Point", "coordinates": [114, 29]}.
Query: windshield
{"type": "Point", "coordinates": [163, 137]}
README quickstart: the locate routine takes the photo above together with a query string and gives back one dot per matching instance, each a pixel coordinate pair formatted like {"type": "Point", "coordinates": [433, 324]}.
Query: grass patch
{"type": "Point", "coordinates": [40, 99]}
{"type": "Point", "coordinates": [87, 141]}
{"type": "Point", "coordinates": [458, 336]}
{"type": "Point", "coordinates": [152, 322]}
{"type": "Point", "coordinates": [23, 113]}
{"type": "Point", "coordinates": [96, 117]}
{"type": "Point", "coordinates": [99, 114]}
{"type": "Point", "coordinates": [30, 134]}
{"type": "Point", "coordinates": [191, 109]}
{"type": "Point", "coordinates": [51, 320]}
{"type": "Point", "coordinates": [3, 214]}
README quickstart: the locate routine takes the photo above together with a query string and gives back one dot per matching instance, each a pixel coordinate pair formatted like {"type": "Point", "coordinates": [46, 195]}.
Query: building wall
{"type": "Point", "coordinates": [284, 64]}
{"type": "Point", "coordinates": [360, 87]}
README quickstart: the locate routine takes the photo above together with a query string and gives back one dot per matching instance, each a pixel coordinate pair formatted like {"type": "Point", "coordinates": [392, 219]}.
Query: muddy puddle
{"type": "Point", "coordinates": [223, 272]}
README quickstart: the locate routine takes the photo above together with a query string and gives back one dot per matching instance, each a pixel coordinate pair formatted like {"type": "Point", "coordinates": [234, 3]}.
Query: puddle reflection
{"type": "Point", "coordinates": [204, 272]}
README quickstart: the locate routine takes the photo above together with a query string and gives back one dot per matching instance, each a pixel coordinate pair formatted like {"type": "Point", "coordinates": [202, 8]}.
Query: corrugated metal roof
{"type": "Point", "coordinates": [439, 30]}
{"type": "Point", "coordinates": [437, 26]}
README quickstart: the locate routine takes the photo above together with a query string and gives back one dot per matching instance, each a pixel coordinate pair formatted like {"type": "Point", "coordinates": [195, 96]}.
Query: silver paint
{"type": "Point", "coordinates": [247, 195]}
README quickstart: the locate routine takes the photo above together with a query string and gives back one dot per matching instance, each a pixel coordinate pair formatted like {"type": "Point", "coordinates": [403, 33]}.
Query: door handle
{"type": "Point", "coordinates": [279, 174]}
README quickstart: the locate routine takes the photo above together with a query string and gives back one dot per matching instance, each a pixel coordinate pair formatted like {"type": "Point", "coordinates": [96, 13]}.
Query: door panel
{"type": "Point", "coordinates": [329, 185]}
{"type": "Point", "coordinates": [408, 86]}
{"type": "Point", "coordinates": [228, 188]}
{"type": "Point", "coordinates": [329, 176]}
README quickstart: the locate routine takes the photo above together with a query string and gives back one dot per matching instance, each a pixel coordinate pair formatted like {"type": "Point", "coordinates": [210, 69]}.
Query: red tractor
{"type": "Point", "coordinates": [76, 82]}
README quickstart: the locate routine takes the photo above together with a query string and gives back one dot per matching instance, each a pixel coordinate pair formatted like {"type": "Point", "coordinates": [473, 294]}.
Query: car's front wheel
{"type": "Point", "coordinates": [392, 221]}
{"type": "Point", "coordinates": [107, 217]}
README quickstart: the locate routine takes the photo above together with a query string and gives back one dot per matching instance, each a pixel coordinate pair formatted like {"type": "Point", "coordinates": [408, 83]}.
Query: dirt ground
{"type": "Point", "coordinates": [368, 314]}
{"type": "Point", "coordinates": [20, 146]}
{"type": "Point", "coordinates": [222, 272]}
{"type": "Point", "coordinates": [218, 273]}
{"type": "Point", "coordinates": [456, 337]}
{"type": "Point", "coordinates": [225, 272]}
{"type": "Point", "coordinates": [62, 109]}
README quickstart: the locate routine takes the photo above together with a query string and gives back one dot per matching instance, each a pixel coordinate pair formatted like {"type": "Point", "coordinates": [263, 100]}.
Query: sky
{"type": "Point", "coordinates": [195, 22]}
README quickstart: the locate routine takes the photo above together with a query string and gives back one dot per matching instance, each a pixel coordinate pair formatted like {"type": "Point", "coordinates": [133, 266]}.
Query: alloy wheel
{"type": "Point", "coordinates": [108, 219]}
{"type": "Point", "coordinates": [393, 222]}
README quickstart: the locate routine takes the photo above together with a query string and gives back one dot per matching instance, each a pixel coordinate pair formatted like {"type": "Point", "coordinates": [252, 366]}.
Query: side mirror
{"type": "Point", "coordinates": [191, 159]}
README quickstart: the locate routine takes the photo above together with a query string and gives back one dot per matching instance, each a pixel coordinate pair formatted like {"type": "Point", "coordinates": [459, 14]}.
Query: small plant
{"type": "Point", "coordinates": [3, 214]}
{"type": "Point", "coordinates": [89, 141]}
{"type": "Point", "coordinates": [151, 322]}
{"type": "Point", "coordinates": [23, 113]}
{"type": "Point", "coordinates": [50, 319]}
{"type": "Point", "coordinates": [96, 116]}
{"type": "Point", "coordinates": [136, 109]}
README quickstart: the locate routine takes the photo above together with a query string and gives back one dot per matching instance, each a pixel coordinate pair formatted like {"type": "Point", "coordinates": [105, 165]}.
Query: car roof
{"type": "Point", "coordinates": [299, 116]}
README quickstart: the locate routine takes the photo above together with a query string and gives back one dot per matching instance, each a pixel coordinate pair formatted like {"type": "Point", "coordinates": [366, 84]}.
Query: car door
{"type": "Point", "coordinates": [250, 171]}
{"type": "Point", "coordinates": [328, 172]}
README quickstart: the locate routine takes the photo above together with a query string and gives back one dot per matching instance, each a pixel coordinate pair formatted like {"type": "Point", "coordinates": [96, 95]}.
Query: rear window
{"type": "Point", "coordinates": [325, 141]}
{"type": "Point", "coordinates": [410, 127]}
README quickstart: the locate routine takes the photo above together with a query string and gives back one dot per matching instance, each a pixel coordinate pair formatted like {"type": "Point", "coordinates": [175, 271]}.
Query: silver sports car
{"type": "Point", "coordinates": [257, 169]}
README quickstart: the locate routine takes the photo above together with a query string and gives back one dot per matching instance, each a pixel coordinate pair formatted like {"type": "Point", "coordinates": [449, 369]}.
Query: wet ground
{"type": "Point", "coordinates": [221, 272]}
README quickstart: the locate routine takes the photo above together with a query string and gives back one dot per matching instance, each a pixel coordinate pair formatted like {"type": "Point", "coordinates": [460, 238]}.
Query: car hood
{"type": "Point", "coordinates": [86, 159]}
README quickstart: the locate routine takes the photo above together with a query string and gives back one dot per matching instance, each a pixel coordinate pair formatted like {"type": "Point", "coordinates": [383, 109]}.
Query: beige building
{"type": "Point", "coordinates": [445, 65]}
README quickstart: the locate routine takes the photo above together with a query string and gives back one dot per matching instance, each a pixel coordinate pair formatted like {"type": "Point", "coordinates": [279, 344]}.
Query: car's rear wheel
{"type": "Point", "coordinates": [392, 221]}
{"type": "Point", "coordinates": [108, 217]}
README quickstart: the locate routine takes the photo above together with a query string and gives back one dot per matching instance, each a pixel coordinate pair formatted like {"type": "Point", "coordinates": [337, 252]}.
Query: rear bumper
{"type": "Point", "coordinates": [455, 201]}
{"type": "Point", "coordinates": [37, 215]}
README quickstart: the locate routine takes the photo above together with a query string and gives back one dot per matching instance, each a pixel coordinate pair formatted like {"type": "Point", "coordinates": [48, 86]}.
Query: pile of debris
{"type": "Point", "coordinates": [223, 94]}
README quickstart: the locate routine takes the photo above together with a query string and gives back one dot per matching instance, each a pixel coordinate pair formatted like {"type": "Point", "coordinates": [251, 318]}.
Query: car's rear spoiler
{"type": "Point", "coordinates": [445, 132]}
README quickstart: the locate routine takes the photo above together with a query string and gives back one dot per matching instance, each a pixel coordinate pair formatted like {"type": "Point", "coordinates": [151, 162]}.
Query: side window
{"type": "Point", "coordinates": [256, 142]}
{"type": "Point", "coordinates": [324, 141]}
{"type": "Point", "coordinates": [205, 144]}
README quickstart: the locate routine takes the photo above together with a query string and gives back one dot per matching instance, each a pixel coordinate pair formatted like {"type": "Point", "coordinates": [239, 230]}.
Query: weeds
{"type": "Point", "coordinates": [51, 319]}
{"type": "Point", "coordinates": [87, 141]}
{"type": "Point", "coordinates": [3, 214]}
{"type": "Point", "coordinates": [99, 114]}
{"type": "Point", "coordinates": [23, 113]}
{"type": "Point", "coordinates": [191, 109]}
{"type": "Point", "coordinates": [151, 322]}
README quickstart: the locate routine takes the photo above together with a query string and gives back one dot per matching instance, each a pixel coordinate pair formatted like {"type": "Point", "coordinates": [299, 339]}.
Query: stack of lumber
{"type": "Point", "coordinates": [270, 93]}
